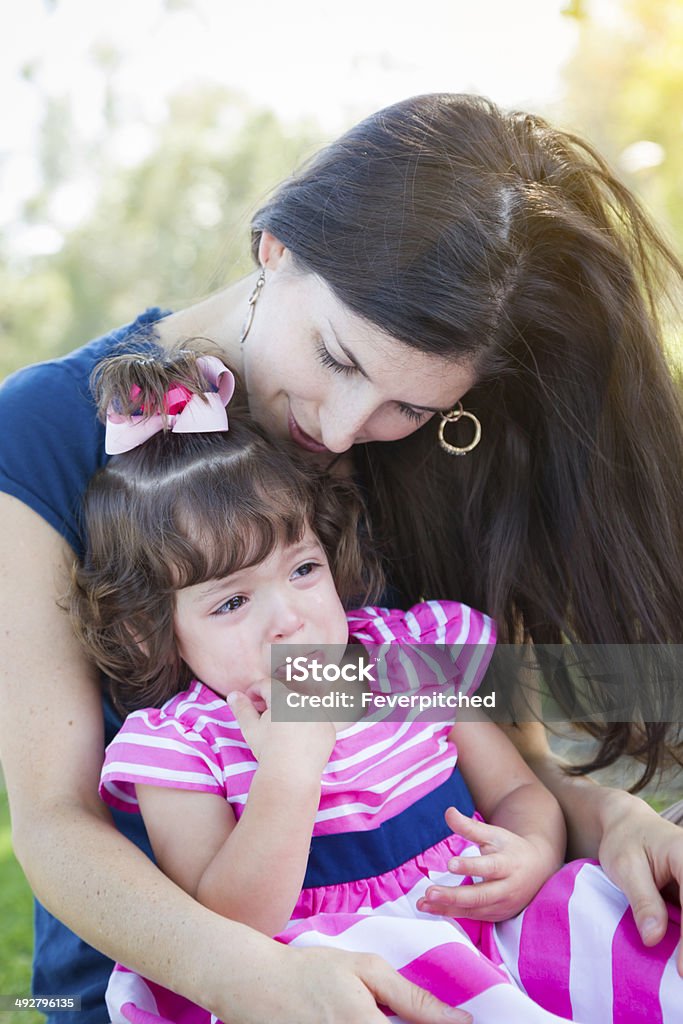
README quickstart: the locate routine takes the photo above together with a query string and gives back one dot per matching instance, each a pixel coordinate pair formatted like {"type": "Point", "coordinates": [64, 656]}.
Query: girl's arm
{"type": "Point", "coordinates": [522, 841]}
{"type": "Point", "coordinates": [249, 870]}
{"type": "Point", "coordinates": [581, 799]}
{"type": "Point", "coordinates": [95, 880]}
{"type": "Point", "coordinates": [504, 789]}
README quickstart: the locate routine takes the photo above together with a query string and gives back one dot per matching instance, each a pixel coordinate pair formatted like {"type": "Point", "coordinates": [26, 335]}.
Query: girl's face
{"type": "Point", "coordinates": [319, 374]}
{"type": "Point", "coordinates": [225, 628]}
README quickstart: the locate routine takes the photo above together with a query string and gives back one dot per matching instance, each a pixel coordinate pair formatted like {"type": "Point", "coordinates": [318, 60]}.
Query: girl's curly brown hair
{"type": "Point", "coordinates": [182, 509]}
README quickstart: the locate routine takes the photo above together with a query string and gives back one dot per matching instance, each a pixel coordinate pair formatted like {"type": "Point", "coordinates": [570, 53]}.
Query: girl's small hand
{"type": "Point", "coordinates": [513, 869]}
{"type": "Point", "coordinates": [289, 746]}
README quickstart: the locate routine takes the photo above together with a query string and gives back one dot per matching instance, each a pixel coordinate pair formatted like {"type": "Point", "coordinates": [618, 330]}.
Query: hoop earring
{"type": "Point", "coordinates": [452, 416]}
{"type": "Point", "coordinates": [253, 299]}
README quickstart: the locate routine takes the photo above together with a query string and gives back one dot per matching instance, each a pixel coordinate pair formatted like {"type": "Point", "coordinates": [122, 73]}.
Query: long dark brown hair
{"type": "Point", "coordinates": [466, 232]}
{"type": "Point", "coordinates": [182, 509]}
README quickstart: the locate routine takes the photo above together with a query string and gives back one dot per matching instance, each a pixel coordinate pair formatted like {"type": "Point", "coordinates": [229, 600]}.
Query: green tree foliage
{"type": "Point", "coordinates": [624, 87]}
{"type": "Point", "coordinates": [625, 93]}
{"type": "Point", "coordinates": [164, 230]}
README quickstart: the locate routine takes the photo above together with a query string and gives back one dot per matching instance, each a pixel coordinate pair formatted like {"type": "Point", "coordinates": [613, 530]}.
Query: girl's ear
{"type": "Point", "coordinates": [271, 251]}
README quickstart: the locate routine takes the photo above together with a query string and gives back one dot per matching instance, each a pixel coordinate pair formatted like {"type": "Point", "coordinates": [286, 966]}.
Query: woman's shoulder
{"type": "Point", "coordinates": [52, 441]}
{"type": "Point", "coordinates": [435, 622]}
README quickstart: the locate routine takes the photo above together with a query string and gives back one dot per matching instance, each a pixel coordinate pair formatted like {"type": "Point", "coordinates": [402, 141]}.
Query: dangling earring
{"type": "Point", "coordinates": [452, 416]}
{"type": "Point", "coordinates": [253, 299]}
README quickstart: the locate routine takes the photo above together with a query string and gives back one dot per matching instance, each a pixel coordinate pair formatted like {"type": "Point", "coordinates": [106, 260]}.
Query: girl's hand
{"type": "Point", "coordinates": [642, 854]}
{"type": "Point", "coordinates": [291, 747]}
{"type": "Point", "coordinates": [513, 870]}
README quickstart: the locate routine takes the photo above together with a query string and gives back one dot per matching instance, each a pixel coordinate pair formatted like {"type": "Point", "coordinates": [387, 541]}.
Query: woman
{"type": "Point", "coordinates": [439, 252]}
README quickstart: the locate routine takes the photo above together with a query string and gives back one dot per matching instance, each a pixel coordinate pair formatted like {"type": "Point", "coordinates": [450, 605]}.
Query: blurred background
{"type": "Point", "coordinates": [138, 137]}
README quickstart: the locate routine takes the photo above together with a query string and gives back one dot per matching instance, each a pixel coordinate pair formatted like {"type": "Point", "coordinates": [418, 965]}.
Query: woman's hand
{"type": "Point", "coordinates": [329, 986]}
{"type": "Point", "coordinates": [289, 746]}
{"type": "Point", "coordinates": [513, 869]}
{"type": "Point", "coordinates": [638, 850]}
{"type": "Point", "coordinates": [642, 854]}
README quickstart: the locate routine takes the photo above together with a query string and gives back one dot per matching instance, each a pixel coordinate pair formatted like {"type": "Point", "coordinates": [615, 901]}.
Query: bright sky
{"type": "Point", "coordinates": [330, 60]}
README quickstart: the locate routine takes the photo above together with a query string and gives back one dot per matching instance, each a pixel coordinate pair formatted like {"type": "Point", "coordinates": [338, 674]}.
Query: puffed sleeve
{"type": "Point", "coordinates": [159, 750]}
{"type": "Point", "coordinates": [465, 639]}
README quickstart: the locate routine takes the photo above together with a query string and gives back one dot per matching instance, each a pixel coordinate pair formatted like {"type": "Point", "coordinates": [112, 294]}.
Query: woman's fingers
{"type": "Point", "coordinates": [675, 864]}
{"type": "Point", "coordinates": [405, 999]}
{"type": "Point", "coordinates": [633, 874]}
{"type": "Point", "coordinates": [643, 854]}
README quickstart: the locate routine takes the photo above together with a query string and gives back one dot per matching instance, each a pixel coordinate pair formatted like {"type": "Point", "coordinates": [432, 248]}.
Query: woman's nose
{"type": "Point", "coordinates": [343, 423]}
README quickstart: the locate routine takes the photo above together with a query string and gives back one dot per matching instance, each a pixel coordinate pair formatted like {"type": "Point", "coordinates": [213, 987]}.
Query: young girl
{"type": "Point", "coordinates": [205, 550]}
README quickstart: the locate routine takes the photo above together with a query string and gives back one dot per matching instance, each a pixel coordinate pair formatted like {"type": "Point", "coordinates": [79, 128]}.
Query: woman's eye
{"type": "Point", "coordinates": [306, 569]}
{"type": "Point", "coordinates": [231, 605]}
{"type": "Point", "coordinates": [328, 360]}
{"type": "Point", "coordinates": [414, 415]}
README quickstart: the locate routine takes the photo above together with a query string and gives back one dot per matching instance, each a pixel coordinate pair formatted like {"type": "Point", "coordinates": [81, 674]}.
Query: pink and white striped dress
{"type": "Point", "coordinates": [380, 840]}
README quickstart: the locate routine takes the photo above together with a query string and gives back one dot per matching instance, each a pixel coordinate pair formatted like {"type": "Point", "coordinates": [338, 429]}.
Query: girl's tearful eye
{"type": "Point", "coordinates": [305, 569]}
{"type": "Point", "coordinates": [231, 605]}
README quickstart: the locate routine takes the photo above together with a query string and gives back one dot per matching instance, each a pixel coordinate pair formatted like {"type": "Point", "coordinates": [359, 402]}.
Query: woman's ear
{"type": "Point", "coordinates": [271, 251]}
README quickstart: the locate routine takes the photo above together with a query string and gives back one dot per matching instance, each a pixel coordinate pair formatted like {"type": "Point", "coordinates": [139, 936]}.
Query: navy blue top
{"type": "Point", "coordinates": [52, 444]}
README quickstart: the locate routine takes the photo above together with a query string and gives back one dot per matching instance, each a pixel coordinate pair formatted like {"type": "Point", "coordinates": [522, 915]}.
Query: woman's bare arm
{"type": "Point", "coordinates": [51, 743]}
{"type": "Point", "coordinates": [94, 879]}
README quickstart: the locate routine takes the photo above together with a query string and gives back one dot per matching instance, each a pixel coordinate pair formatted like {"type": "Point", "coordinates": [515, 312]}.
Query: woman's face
{"type": "Point", "coordinates": [319, 374]}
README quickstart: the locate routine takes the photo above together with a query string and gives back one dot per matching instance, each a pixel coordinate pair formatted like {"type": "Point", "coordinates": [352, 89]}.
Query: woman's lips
{"type": "Point", "coordinates": [303, 439]}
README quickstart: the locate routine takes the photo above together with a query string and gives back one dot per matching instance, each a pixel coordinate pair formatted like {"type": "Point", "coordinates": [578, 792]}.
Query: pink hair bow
{"type": "Point", "coordinates": [185, 412]}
